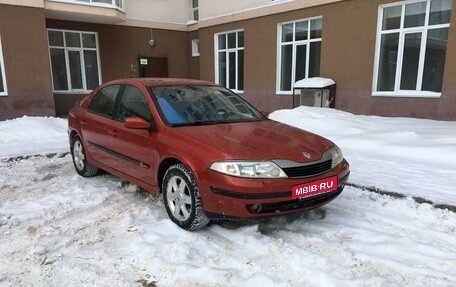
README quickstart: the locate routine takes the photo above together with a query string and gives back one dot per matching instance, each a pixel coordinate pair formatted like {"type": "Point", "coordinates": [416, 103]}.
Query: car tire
{"type": "Point", "coordinates": [82, 166]}
{"type": "Point", "coordinates": [182, 198]}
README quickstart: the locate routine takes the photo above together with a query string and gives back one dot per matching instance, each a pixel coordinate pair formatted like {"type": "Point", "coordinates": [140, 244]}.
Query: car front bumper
{"type": "Point", "coordinates": [234, 197]}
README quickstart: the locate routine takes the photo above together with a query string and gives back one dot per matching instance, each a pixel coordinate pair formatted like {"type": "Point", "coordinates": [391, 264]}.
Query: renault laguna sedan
{"type": "Point", "coordinates": [210, 153]}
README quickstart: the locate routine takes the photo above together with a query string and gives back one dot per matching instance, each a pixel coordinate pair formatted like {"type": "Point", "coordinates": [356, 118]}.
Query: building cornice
{"type": "Point", "coordinates": [266, 10]}
{"type": "Point", "coordinates": [154, 24]}
{"type": "Point", "coordinates": [271, 9]}
{"type": "Point", "coordinates": [83, 13]}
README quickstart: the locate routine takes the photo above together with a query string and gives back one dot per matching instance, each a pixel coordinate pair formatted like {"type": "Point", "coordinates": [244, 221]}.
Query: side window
{"type": "Point", "coordinates": [133, 104]}
{"type": "Point", "coordinates": [103, 102]}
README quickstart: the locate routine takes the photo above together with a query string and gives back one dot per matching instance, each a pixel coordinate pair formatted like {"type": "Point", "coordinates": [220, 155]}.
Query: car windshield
{"type": "Point", "coordinates": [195, 105]}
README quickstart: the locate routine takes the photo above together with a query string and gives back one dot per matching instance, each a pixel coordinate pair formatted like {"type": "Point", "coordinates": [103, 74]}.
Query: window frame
{"type": "Point", "coordinates": [294, 43]}
{"type": "Point", "coordinates": [227, 51]}
{"type": "Point", "coordinates": [195, 9]}
{"type": "Point", "coordinates": [81, 50]}
{"type": "Point", "coordinates": [195, 47]}
{"type": "Point", "coordinates": [423, 30]}
{"type": "Point", "coordinates": [2, 69]}
{"type": "Point", "coordinates": [113, 109]}
{"type": "Point", "coordinates": [121, 94]}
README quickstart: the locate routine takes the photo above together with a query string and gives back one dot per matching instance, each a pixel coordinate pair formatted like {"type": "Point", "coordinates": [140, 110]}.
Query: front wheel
{"type": "Point", "coordinates": [182, 198]}
{"type": "Point", "coordinates": [80, 160]}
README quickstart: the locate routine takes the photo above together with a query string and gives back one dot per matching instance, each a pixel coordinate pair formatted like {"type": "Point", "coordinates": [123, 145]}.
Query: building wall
{"type": "Point", "coordinates": [26, 60]}
{"type": "Point", "coordinates": [194, 62]}
{"type": "Point", "coordinates": [120, 47]}
{"type": "Point", "coordinates": [168, 11]}
{"type": "Point", "coordinates": [214, 8]}
{"type": "Point", "coordinates": [347, 56]}
{"type": "Point", "coordinates": [217, 12]}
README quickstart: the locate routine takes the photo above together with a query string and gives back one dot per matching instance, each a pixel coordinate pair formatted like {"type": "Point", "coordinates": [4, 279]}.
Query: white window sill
{"type": "Point", "coordinates": [3, 94]}
{"type": "Point", "coordinates": [408, 94]}
{"type": "Point", "coordinates": [284, 93]}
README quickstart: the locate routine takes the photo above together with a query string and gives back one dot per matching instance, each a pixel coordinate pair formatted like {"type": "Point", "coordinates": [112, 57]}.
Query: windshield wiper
{"type": "Point", "coordinates": [202, 123]}
{"type": "Point", "coordinates": [198, 123]}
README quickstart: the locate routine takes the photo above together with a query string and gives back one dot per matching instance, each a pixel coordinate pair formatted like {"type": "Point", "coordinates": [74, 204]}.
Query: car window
{"type": "Point", "coordinates": [186, 105]}
{"type": "Point", "coordinates": [103, 102]}
{"type": "Point", "coordinates": [133, 104]}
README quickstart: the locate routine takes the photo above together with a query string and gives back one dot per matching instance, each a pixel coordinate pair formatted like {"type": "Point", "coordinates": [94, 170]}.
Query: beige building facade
{"type": "Point", "coordinates": [389, 58]}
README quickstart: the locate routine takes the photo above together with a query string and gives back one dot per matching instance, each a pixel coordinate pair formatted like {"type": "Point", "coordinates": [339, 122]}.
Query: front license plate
{"type": "Point", "coordinates": [315, 187]}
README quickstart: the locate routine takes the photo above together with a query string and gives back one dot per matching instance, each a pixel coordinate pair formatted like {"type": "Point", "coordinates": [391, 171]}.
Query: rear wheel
{"type": "Point", "coordinates": [80, 160]}
{"type": "Point", "coordinates": [182, 198]}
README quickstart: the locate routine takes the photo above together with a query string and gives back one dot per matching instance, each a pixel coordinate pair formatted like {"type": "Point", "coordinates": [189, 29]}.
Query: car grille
{"type": "Point", "coordinates": [308, 170]}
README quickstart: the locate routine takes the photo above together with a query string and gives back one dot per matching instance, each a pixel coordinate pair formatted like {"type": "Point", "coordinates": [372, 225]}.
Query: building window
{"type": "Point", "coordinates": [299, 52]}
{"type": "Point", "coordinates": [229, 55]}
{"type": "Point", "coordinates": [3, 90]}
{"type": "Point", "coordinates": [195, 47]}
{"type": "Point", "coordinates": [412, 41]}
{"type": "Point", "coordinates": [195, 10]}
{"type": "Point", "coordinates": [74, 60]}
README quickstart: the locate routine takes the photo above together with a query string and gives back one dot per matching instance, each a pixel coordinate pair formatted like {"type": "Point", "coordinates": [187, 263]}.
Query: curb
{"type": "Point", "coordinates": [417, 199]}
{"type": "Point", "coordinates": [48, 155]}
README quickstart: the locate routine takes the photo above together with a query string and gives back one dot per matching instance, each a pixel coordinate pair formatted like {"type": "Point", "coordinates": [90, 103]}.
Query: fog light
{"type": "Point", "coordinates": [256, 208]}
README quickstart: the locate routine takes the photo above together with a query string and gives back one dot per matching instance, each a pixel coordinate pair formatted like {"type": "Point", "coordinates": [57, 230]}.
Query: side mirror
{"type": "Point", "coordinates": [136, 123]}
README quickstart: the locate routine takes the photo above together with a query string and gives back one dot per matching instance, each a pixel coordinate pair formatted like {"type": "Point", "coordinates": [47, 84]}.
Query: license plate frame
{"type": "Point", "coordinates": [315, 187]}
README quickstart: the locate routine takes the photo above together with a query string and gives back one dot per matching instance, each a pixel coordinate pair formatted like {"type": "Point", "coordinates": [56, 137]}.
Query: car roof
{"type": "Point", "coordinates": [153, 82]}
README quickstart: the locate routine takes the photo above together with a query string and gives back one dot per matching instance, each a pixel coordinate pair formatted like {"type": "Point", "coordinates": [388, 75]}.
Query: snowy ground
{"type": "Point", "coordinates": [59, 229]}
{"type": "Point", "coordinates": [415, 157]}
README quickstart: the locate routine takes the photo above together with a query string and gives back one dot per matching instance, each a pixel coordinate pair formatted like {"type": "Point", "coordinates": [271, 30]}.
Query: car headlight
{"type": "Point", "coordinates": [336, 155]}
{"type": "Point", "coordinates": [254, 169]}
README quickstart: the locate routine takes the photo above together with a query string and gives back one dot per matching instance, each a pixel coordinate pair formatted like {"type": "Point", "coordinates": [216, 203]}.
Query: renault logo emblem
{"type": "Point", "coordinates": [306, 154]}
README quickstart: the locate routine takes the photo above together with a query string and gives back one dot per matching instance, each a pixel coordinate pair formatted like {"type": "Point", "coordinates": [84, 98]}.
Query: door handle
{"type": "Point", "coordinates": [83, 122]}
{"type": "Point", "coordinates": [113, 133]}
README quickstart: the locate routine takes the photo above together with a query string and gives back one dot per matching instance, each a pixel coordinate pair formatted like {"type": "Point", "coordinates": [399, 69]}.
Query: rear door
{"type": "Point", "coordinates": [135, 148]}
{"type": "Point", "coordinates": [98, 123]}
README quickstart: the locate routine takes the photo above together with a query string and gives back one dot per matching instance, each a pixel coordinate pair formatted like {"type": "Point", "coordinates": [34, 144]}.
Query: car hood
{"type": "Point", "coordinates": [259, 140]}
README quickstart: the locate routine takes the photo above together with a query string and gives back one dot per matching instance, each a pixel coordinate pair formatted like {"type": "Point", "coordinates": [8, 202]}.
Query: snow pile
{"type": "Point", "coordinates": [32, 135]}
{"type": "Point", "coordinates": [410, 156]}
{"type": "Point", "coordinates": [316, 82]}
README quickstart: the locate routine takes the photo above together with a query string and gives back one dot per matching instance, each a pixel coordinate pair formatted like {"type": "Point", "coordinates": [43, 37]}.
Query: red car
{"type": "Point", "coordinates": [209, 152]}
